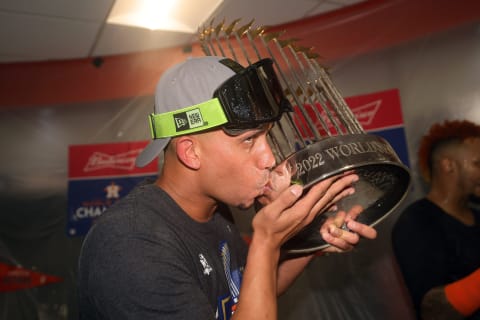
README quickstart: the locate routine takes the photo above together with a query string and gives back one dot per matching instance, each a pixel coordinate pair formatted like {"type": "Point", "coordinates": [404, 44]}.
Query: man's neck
{"type": "Point", "coordinates": [196, 206]}
{"type": "Point", "coordinates": [453, 204]}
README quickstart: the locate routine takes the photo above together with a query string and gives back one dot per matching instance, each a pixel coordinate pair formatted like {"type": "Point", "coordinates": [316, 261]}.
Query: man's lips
{"type": "Point", "coordinates": [265, 189]}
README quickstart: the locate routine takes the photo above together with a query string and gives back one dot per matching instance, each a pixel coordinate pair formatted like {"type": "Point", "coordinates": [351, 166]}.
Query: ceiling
{"type": "Point", "coordinates": [40, 30]}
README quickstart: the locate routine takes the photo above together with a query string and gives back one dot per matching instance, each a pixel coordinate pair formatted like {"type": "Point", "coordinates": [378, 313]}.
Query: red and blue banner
{"type": "Point", "coordinates": [99, 175]}
{"type": "Point", "coordinates": [380, 113]}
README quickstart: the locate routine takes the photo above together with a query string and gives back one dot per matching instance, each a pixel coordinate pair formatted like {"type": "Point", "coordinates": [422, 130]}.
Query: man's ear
{"type": "Point", "coordinates": [447, 164]}
{"type": "Point", "coordinates": [186, 152]}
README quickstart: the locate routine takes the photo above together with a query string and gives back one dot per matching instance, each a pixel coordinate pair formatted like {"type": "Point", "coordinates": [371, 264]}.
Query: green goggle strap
{"type": "Point", "coordinates": [199, 117]}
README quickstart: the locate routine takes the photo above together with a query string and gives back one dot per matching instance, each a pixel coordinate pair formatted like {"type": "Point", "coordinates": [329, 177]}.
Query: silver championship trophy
{"type": "Point", "coordinates": [320, 137]}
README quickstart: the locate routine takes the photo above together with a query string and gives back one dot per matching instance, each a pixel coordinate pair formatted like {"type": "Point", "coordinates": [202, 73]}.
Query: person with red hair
{"type": "Point", "coordinates": [436, 240]}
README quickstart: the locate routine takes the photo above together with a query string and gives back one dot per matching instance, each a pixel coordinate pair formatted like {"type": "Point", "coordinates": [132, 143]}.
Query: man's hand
{"type": "Point", "coordinates": [284, 216]}
{"type": "Point", "coordinates": [342, 232]}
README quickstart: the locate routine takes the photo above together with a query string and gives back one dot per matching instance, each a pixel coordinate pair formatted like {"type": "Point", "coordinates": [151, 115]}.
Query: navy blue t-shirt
{"type": "Point", "coordinates": [433, 248]}
{"type": "Point", "coordinates": [145, 258]}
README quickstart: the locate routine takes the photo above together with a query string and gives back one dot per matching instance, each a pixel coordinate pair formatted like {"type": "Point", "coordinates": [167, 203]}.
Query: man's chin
{"type": "Point", "coordinates": [246, 204]}
{"type": "Point", "coordinates": [244, 207]}
{"type": "Point", "coordinates": [263, 200]}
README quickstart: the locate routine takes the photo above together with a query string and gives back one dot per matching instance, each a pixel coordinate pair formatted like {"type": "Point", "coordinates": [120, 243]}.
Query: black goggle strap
{"type": "Point", "coordinates": [199, 117]}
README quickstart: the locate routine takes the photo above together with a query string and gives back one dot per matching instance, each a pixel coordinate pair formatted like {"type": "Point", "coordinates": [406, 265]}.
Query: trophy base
{"type": "Point", "coordinates": [383, 181]}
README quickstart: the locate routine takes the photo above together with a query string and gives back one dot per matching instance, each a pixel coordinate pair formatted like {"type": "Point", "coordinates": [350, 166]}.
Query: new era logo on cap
{"type": "Point", "coordinates": [188, 120]}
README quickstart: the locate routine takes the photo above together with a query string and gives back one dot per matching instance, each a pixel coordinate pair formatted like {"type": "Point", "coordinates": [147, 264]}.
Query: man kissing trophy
{"type": "Point", "coordinates": [318, 136]}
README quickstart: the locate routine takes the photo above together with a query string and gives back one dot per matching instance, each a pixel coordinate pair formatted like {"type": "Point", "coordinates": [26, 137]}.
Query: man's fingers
{"type": "Point", "coordinates": [354, 212]}
{"type": "Point", "coordinates": [286, 199]}
{"type": "Point", "coordinates": [339, 219]}
{"type": "Point", "coordinates": [329, 189]}
{"type": "Point", "coordinates": [358, 227]}
{"type": "Point", "coordinates": [342, 232]}
{"type": "Point", "coordinates": [340, 242]}
{"type": "Point", "coordinates": [344, 193]}
{"type": "Point", "coordinates": [362, 229]}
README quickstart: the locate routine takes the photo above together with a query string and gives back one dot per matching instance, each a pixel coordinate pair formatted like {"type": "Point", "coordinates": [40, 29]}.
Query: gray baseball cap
{"type": "Point", "coordinates": [186, 84]}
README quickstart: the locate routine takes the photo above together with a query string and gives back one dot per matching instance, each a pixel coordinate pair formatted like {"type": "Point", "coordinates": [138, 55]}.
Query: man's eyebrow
{"type": "Point", "coordinates": [261, 128]}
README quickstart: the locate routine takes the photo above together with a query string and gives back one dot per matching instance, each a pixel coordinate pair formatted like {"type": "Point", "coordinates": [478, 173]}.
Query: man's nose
{"type": "Point", "coordinates": [268, 158]}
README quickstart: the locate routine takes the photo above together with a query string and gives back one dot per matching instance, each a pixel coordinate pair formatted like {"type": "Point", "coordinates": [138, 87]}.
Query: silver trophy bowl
{"type": "Point", "coordinates": [382, 185]}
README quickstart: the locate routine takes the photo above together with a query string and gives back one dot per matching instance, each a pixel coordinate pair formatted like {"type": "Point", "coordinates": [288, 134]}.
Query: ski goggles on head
{"type": "Point", "coordinates": [252, 97]}
{"type": "Point", "coordinates": [247, 100]}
